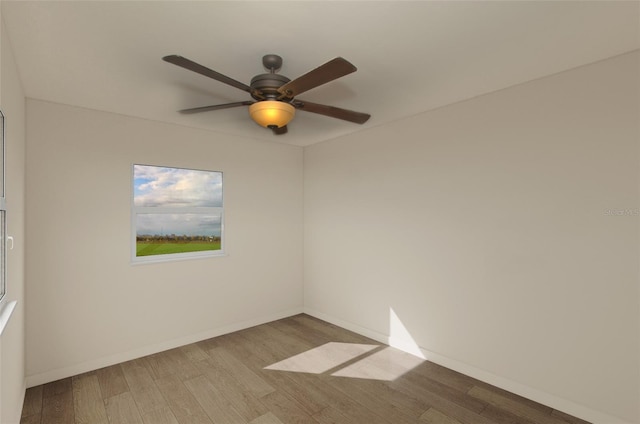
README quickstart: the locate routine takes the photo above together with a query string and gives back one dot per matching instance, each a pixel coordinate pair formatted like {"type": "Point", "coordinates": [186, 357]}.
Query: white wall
{"type": "Point", "coordinates": [484, 227]}
{"type": "Point", "coordinates": [12, 362]}
{"type": "Point", "coordinates": [87, 305]}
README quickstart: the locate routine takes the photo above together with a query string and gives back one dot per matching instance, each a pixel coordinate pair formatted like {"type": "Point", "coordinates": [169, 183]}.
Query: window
{"type": "Point", "coordinates": [3, 216]}
{"type": "Point", "coordinates": [176, 213]}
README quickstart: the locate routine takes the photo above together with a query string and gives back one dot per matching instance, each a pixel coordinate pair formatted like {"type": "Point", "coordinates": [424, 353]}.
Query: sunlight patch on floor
{"type": "Point", "coordinates": [351, 360]}
{"type": "Point", "coordinates": [354, 360]}
{"type": "Point", "coordinates": [386, 364]}
{"type": "Point", "coordinates": [323, 358]}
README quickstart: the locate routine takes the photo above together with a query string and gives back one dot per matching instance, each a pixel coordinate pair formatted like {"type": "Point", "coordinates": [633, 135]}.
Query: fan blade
{"type": "Point", "coordinates": [215, 107]}
{"type": "Point", "coordinates": [195, 67]}
{"type": "Point", "coordinates": [331, 70]}
{"type": "Point", "coordinates": [332, 111]}
{"type": "Point", "coordinates": [281, 130]}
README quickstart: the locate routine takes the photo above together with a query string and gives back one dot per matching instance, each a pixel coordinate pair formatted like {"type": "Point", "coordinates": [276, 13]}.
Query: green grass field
{"type": "Point", "coordinates": [148, 249]}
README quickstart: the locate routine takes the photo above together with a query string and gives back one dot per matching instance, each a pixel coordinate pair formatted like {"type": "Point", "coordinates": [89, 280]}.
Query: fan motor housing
{"type": "Point", "coordinates": [267, 85]}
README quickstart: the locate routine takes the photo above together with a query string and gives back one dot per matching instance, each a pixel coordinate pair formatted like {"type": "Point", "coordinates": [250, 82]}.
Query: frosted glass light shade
{"type": "Point", "coordinates": [272, 113]}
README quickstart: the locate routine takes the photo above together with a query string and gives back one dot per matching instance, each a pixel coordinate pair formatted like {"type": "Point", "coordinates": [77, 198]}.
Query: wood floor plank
{"type": "Point", "coordinates": [567, 418]}
{"type": "Point", "coordinates": [194, 352]}
{"type": "Point", "coordinates": [267, 418]}
{"type": "Point", "coordinates": [32, 401]}
{"type": "Point", "coordinates": [301, 388]}
{"type": "Point", "coordinates": [286, 409]}
{"type": "Point", "coordinates": [88, 401]}
{"type": "Point", "coordinates": [122, 409]}
{"type": "Point", "coordinates": [356, 415]}
{"type": "Point", "coordinates": [461, 398]}
{"type": "Point", "coordinates": [286, 344]}
{"type": "Point", "coordinates": [445, 376]}
{"type": "Point", "coordinates": [143, 388]}
{"type": "Point", "coordinates": [243, 375]}
{"type": "Point", "coordinates": [375, 401]}
{"type": "Point", "coordinates": [340, 405]}
{"type": "Point", "coordinates": [515, 398]}
{"type": "Point", "coordinates": [86, 388]}
{"type": "Point", "coordinates": [385, 394]}
{"type": "Point", "coordinates": [159, 416]}
{"type": "Point", "coordinates": [516, 408]}
{"type": "Point", "coordinates": [184, 366]}
{"type": "Point", "coordinates": [158, 365]}
{"type": "Point", "coordinates": [331, 331]}
{"type": "Point", "coordinates": [173, 361]}
{"type": "Point", "coordinates": [331, 415]}
{"type": "Point", "coordinates": [56, 387]}
{"type": "Point", "coordinates": [112, 381]}
{"type": "Point", "coordinates": [243, 401]}
{"type": "Point", "coordinates": [440, 401]}
{"type": "Point", "coordinates": [502, 416]}
{"type": "Point", "coordinates": [217, 407]}
{"type": "Point", "coordinates": [214, 342]}
{"type": "Point", "coordinates": [301, 331]}
{"type": "Point", "coordinates": [322, 333]}
{"type": "Point", "coordinates": [433, 416]}
{"type": "Point", "coordinates": [184, 406]}
{"type": "Point", "coordinates": [31, 419]}
{"type": "Point", "coordinates": [257, 353]}
{"type": "Point", "coordinates": [58, 408]}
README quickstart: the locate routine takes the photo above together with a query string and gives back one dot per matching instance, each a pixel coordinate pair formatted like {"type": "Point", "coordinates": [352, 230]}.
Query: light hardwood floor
{"type": "Point", "coordinates": [295, 370]}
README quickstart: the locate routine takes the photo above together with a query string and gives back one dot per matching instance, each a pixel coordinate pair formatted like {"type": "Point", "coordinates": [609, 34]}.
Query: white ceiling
{"type": "Point", "coordinates": [411, 56]}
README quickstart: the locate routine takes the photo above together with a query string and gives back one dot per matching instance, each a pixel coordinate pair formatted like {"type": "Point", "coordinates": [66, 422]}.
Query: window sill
{"type": "Point", "coordinates": [175, 257]}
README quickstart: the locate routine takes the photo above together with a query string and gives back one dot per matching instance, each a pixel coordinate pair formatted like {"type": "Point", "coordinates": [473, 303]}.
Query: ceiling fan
{"type": "Point", "coordinates": [274, 95]}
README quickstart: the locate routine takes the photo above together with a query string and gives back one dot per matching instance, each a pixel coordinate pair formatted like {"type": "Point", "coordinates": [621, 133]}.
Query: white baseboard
{"type": "Point", "coordinates": [57, 374]}
{"type": "Point", "coordinates": [555, 402]}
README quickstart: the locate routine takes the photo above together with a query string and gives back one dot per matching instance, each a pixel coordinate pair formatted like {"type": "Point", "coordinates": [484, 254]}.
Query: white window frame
{"type": "Point", "coordinates": [4, 238]}
{"type": "Point", "coordinates": [136, 210]}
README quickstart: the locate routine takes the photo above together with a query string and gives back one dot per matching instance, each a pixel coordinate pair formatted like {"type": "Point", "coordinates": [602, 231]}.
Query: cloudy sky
{"type": "Point", "coordinates": [159, 187]}
{"type": "Point", "coordinates": [175, 187]}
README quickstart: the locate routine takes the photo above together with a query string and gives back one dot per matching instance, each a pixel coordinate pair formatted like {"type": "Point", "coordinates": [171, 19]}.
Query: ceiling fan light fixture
{"type": "Point", "coordinates": [272, 113]}
{"type": "Point", "coordinates": [274, 96]}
